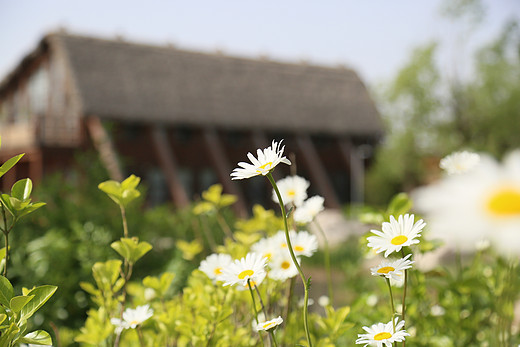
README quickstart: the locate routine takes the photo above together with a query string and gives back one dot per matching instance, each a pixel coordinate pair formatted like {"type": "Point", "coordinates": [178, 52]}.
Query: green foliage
{"type": "Point", "coordinates": [122, 193]}
{"type": "Point", "coordinates": [131, 249]}
{"type": "Point", "coordinates": [16, 310]}
{"type": "Point", "coordinates": [428, 114]}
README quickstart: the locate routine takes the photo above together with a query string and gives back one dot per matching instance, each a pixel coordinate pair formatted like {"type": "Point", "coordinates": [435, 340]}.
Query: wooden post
{"type": "Point", "coordinates": [104, 146]}
{"type": "Point", "coordinates": [169, 165]}
{"type": "Point", "coordinates": [353, 163]}
{"type": "Point", "coordinates": [221, 164]}
{"type": "Point", "coordinates": [318, 173]}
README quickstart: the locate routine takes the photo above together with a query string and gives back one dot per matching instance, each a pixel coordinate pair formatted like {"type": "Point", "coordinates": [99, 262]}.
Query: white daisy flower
{"type": "Point", "coordinates": [396, 234]}
{"type": "Point", "coordinates": [251, 268]}
{"type": "Point", "coordinates": [303, 243]}
{"type": "Point", "coordinates": [310, 209]}
{"type": "Point", "coordinates": [483, 204]}
{"type": "Point", "coordinates": [293, 189]}
{"type": "Point", "coordinates": [381, 334]}
{"type": "Point", "coordinates": [267, 247]}
{"type": "Point", "coordinates": [132, 318]}
{"type": "Point", "coordinates": [459, 162]}
{"type": "Point", "coordinates": [270, 324]}
{"type": "Point", "coordinates": [213, 265]}
{"type": "Point", "coordinates": [282, 267]}
{"type": "Point", "coordinates": [266, 161]}
{"type": "Point", "coordinates": [393, 269]}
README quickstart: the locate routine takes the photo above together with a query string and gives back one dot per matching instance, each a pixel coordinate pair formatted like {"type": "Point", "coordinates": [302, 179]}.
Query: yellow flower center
{"type": "Point", "coordinates": [286, 265]}
{"type": "Point", "coordinates": [505, 202]}
{"type": "Point", "coordinates": [218, 271]}
{"type": "Point", "coordinates": [268, 256]}
{"type": "Point", "coordinates": [268, 325]}
{"type": "Point", "coordinates": [382, 336]}
{"type": "Point", "coordinates": [266, 166]}
{"type": "Point", "coordinates": [291, 192]}
{"type": "Point", "coordinates": [134, 322]}
{"type": "Point", "coordinates": [299, 248]}
{"type": "Point", "coordinates": [399, 240]}
{"type": "Point", "coordinates": [245, 273]}
{"type": "Point", "coordinates": [385, 270]}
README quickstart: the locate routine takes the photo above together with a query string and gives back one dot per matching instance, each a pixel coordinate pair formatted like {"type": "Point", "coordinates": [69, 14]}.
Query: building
{"type": "Point", "coordinates": [181, 120]}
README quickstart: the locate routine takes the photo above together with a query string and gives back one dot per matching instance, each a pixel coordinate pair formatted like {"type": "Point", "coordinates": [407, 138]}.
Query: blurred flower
{"type": "Point", "coordinates": [132, 318]}
{"type": "Point", "coordinates": [282, 267]}
{"type": "Point", "coordinates": [323, 301]}
{"type": "Point", "coordinates": [459, 162]}
{"type": "Point", "coordinates": [267, 160]}
{"type": "Point", "coordinates": [251, 268]}
{"type": "Point", "coordinates": [270, 324]}
{"type": "Point", "coordinates": [310, 209]}
{"type": "Point", "coordinates": [303, 243]}
{"type": "Point", "coordinates": [396, 234]}
{"type": "Point", "coordinates": [372, 300]}
{"type": "Point", "coordinates": [383, 334]}
{"type": "Point", "coordinates": [293, 189]}
{"type": "Point", "coordinates": [483, 204]}
{"type": "Point", "coordinates": [267, 247]}
{"type": "Point", "coordinates": [437, 311]}
{"type": "Point", "coordinates": [213, 265]}
{"type": "Point", "coordinates": [301, 302]}
{"type": "Point", "coordinates": [392, 269]}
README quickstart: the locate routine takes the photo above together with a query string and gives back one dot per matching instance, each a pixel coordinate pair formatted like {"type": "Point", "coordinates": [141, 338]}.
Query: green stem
{"type": "Point", "coordinates": [6, 235]}
{"type": "Point", "coordinates": [326, 252]}
{"type": "Point", "coordinates": [140, 334]}
{"type": "Point", "coordinates": [403, 307]}
{"type": "Point", "coordinates": [392, 303]}
{"type": "Point", "coordinates": [254, 307]}
{"type": "Point", "coordinates": [273, 338]}
{"type": "Point", "coordinates": [295, 261]}
{"type": "Point", "coordinates": [123, 216]}
{"type": "Point", "coordinates": [253, 298]}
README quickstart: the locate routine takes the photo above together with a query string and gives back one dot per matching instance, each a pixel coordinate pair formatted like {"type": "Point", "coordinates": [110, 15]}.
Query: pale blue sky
{"type": "Point", "coordinates": [375, 37]}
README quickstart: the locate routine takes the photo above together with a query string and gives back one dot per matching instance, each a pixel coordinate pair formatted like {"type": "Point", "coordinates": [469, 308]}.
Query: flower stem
{"type": "Point", "coordinates": [123, 217]}
{"type": "Point", "coordinates": [254, 301]}
{"type": "Point", "coordinates": [295, 261]}
{"type": "Point", "coordinates": [326, 252]}
{"type": "Point", "coordinates": [254, 306]}
{"type": "Point", "coordinates": [273, 338]}
{"type": "Point", "coordinates": [403, 307]}
{"type": "Point", "coordinates": [392, 304]}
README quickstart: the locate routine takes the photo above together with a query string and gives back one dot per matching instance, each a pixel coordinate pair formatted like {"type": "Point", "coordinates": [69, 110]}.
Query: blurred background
{"type": "Point", "coordinates": [368, 96]}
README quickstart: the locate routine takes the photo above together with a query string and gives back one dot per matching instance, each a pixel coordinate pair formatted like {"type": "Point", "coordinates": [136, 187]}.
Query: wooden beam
{"type": "Point", "coordinates": [316, 169]}
{"type": "Point", "coordinates": [169, 165]}
{"type": "Point", "coordinates": [220, 162]}
{"type": "Point", "coordinates": [105, 148]}
{"type": "Point", "coordinates": [354, 164]}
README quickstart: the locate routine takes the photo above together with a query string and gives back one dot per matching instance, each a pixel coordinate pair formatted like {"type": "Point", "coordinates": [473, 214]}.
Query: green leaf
{"type": "Point", "coordinates": [38, 337]}
{"type": "Point", "coordinates": [30, 208]}
{"type": "Point", "coordinates": [6, 291]}
{"type": "Point", "coordinates": [131, 249]}
{"type": "Point", "coordinates": [2, 317]}
{"type": "Point", "coordinates": [399, 205]}
{"type": "Point", "coordinates": [41, 295]}
{"type": "Point", "coordinates": [9, 334]}
{"type": "Point", "coordinates": [22, 189]}
{"type": "Point", "coordinates": [9, 164]}
{"type": "Point", "coordinates": [18, 302]}
{"type": "Point", "coordinates": [122, 193]}
{"type": "Point", "coordinates": [105, 274]}
{"type": "Point", "coordinates": [130, 183]}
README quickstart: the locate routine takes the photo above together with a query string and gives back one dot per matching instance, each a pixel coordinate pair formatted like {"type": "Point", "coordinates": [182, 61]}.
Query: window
{"type": "Point", "coordinates": [39, 91]}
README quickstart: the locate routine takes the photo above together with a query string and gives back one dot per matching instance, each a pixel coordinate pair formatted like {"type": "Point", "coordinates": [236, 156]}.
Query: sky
{"type": "Point", "coordinates": [375, 37]}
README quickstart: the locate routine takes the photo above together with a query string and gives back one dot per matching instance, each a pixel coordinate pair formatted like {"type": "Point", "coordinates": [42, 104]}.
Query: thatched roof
{"type": "Point", "coordinates": [136, 82]}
